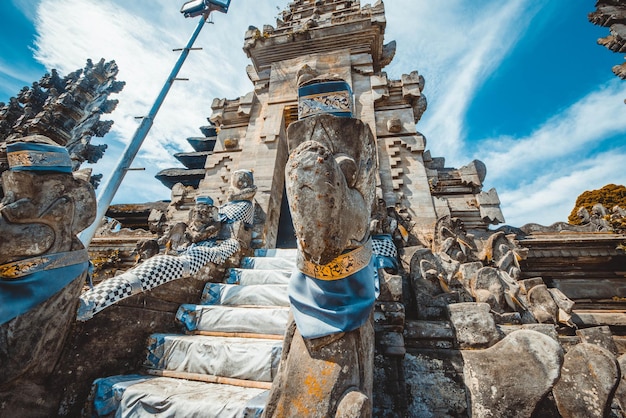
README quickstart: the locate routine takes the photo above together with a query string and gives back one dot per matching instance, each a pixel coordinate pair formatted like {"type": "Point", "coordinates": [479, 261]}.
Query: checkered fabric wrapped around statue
{"type": "Point", "coordinates": [154, 272]}
{"type": "Point", "coordinates": [238, 210]}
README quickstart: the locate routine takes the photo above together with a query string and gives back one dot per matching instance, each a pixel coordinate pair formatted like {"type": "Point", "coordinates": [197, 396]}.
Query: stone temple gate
{"type": "Point", "coordinates": [345, 39]}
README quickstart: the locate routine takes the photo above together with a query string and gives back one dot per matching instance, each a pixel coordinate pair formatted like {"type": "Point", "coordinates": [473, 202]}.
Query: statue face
{"type": "Point", "coordinates": [242, 185]}
{"type": "Point", "coordinates": [42, 213]}
{"type": "Point", "coordinates": [204, 214]}
{"type": "Point", "coordinates": [330, 183]}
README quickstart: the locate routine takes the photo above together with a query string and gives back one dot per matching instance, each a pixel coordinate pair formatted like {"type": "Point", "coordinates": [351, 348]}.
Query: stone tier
{"type": "Point", "coordinates": [193, 160]}
{"type": "Point", "coordinates": [171, 176]}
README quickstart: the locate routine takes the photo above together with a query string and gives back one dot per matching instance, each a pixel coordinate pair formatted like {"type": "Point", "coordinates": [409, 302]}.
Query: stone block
{"type": "Point", "coordinates": [527, 284]}
{"type": "Point", "coordinates": [389, 316]}
{"type": "Point", "coordinates": [589, 377]}
{"type": "Point", "coordinates": [391, 343]}
{"type": "Point", "coordinates": [390, 287]}
{"type": "Point", "coordinates": [468, 273]}
{"type": "Point", "coordinates": [601, 336]}
{"type": "Point", "coordinates": [473, 325]}
{"type": "Point", "coordinates": [434, 386]}
{"type": "Point", "coordinates": [433, 330]}
{"type": "Point", "coordinates": [510, 378]}
{"type": "Point", "coordinates": [541, 304]}
{"type": "Point", "coordinates": [507, 318]}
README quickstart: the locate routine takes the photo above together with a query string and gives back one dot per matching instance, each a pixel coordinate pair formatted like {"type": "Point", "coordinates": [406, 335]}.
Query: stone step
{"type": "Point", "coordinates": [287, 253]}
{"type": "Point", "coordinates": [230, 294]}
{"type": "Point", "coordinates": [268, 263]}
{"type": "Point", "coordinates": [163, 396]}
{"type": "Point", "coordinates": [238, 358]}
{"type": "Point", "coordinates": [238, 335]}
{"type": "Point", "coordinates": [245, 277]}
{"type": "Point", "coordinates": [262, 320]}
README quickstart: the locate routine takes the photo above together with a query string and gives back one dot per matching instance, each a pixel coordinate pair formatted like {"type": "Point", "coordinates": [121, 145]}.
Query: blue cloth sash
{"type": "Point", "coordinates": [20, 296]}
{"type": "Point", "coordinates": [325, 307]}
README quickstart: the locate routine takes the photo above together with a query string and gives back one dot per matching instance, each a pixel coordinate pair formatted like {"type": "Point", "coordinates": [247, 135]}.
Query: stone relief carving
{"type": "Point", "coordinates": [487, 271]}
{"type": "Point", "coordinates": [67, 110]}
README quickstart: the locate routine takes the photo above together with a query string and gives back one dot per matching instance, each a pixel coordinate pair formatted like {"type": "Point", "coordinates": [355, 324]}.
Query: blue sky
{"type": "Point", "coordinates": [519, 84]}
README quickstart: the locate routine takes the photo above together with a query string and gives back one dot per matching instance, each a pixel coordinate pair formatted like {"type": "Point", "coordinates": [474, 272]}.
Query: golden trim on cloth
{"type": "Point", "coordinates": [341, 267]}
{"type": "Point", "coordinates": [21, 268]}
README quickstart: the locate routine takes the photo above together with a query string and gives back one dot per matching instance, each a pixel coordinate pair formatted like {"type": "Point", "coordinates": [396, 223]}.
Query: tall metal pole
{"type": "Point", "coordinates": [106, 196]}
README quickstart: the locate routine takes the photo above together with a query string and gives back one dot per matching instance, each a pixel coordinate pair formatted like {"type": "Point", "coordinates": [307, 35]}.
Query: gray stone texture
{"type": "Point", "coordinates": [589, 377]}
{"type": "Point", "coordinates": [473, 325]}
{"type": "Point", "coordinates": [510, 378]}
{"type": "Point", "coordinates": [330, 175]}
{"type": "Point", "coordinates": [434, 384]}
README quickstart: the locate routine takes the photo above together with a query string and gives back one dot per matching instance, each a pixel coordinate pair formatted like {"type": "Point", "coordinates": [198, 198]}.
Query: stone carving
{"type": "Point", "coordinates": [600, 219]}
{"type": "Point", "coordinates": [43, 208]}
{"type": "Point", "coordinates": [612, 14]}
{"type": "Point", "coordinates": [485, 271]}
{"type": "Point", "coordinates": [326, 368]}
{"type": "Point", "coordinates": [204, 221]}
{"type": "Point", "coordinates": [43, 265]}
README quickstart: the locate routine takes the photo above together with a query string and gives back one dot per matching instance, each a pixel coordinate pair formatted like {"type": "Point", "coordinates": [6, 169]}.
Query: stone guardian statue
{"type": "Point", "coordinates": [326, 369]}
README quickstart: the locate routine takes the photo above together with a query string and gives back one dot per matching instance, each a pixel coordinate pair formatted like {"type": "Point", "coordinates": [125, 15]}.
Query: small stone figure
{"type": "Point", "coordinates": [204, 220]}
{"type": "Point", "coordinates": [188, 248]}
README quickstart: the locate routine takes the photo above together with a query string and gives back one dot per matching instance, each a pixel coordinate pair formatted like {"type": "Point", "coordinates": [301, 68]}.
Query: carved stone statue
{"type": "Point", "coordinates": [327, 360]}
{"type": "Point", "coordinates": [42, 265]}
{"type": "Point", "coordinates": [204, 220]}
{"type": "Point", "coordinates": [207, 239]}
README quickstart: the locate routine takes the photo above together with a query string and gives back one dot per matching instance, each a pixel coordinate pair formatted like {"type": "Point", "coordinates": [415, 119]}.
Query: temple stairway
{"type": "Point", "coordinates": [224, 362]}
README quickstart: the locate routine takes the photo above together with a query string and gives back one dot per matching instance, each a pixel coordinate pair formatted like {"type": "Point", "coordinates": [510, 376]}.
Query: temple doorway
{"type": "Point", "coordinates": [286, 233]}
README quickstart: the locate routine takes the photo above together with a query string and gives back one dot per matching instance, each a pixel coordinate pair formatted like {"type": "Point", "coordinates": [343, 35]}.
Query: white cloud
{"type": "Point", "coordinates": [455, 44]}
{"type": "Point", "coordinates": [455, 62]}
{"type": "Point", "coordinates": [550, 197]}
{"type": "Point", "coordinates": [540, 176]}
{"type": "Point", "coordinates": [571, 134]}
{"type": "Point", "coordinates": [140, 37]}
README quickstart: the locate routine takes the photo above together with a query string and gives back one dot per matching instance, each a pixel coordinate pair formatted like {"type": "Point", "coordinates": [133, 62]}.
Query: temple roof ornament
{"type": "Point", "coordinates": [612, 14]}
{"type": "Point", "coordinates": [320, 27]}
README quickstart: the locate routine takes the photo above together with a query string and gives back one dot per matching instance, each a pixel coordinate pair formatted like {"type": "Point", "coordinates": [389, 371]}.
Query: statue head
{"type": "Point", "coordinates": [204, 220]}
{"type": "Point", "coordinates": [45, 205]}
{"type": "Point", "coordinates": [242, 185]}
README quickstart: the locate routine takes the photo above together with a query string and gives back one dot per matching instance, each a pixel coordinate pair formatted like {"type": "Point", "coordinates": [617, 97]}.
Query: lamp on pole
{"type": "Point", "coordinates": [192, 8]}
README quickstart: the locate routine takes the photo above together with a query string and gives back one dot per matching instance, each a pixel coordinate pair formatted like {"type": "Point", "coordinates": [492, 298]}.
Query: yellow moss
{"type": "Point", "coordinates": [609, 195]}
{"type": "Point", "coordinates": [101, 262]}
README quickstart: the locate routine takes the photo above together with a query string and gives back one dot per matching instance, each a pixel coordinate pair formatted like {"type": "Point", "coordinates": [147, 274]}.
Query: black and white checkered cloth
{"type": "Point", "coordinates": [240, 210]}
{"type": "Point", "coordinates": [154, 272]}
{"type": "Point", "coordinates": [384, 247]}
{"type": "Point", "coordinates": [385, 252]}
